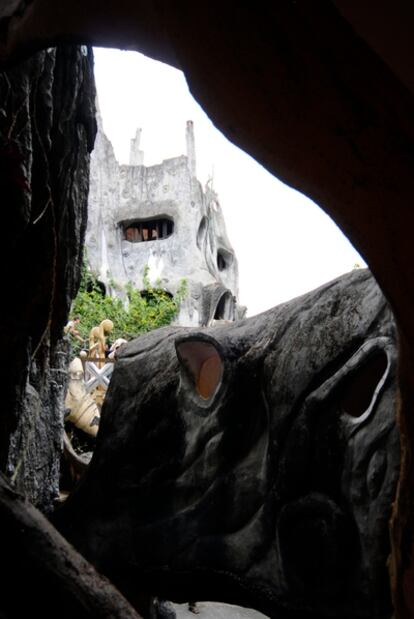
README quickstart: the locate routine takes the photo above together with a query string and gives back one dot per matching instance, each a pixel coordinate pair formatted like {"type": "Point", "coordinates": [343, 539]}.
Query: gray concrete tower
{"type": "Point", "coordinates": [190, 143]}
{"type": "Point", "coordinates": [136, 156]}
{"type": "Point", "coordinates": [160, 217]}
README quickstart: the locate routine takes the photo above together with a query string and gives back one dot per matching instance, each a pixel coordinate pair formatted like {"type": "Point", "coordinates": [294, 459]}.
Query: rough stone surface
{"type": "Point", "coordinates": [47, 128]}
{"type": "Point", "coordinates": [211, 610]}
{"type": "Point", "coordinates": [204, 610]}
{"type": "Point", "coordinates": [42, 575]}
{"type": "Point", "coordinates": [36, 443]}
{"type": "Point", "coordinates": [271, 490]}
{"type": "Point", "coordinates": [197, 250]}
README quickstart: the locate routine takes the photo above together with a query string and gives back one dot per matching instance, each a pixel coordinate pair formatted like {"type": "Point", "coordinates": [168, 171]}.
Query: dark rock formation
{"type": "Point", "coordinates": [42, 575]}
{"type": "Point", "coordinates": [47, 128]}
{"type": "Point", "coordinates": [36, 443]}
{"type": "Point", "coordinates": [254, 463]}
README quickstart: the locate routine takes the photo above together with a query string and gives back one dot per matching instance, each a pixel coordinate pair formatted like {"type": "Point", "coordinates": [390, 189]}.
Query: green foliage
{"type": "Point", "coordinates": [145, 310]}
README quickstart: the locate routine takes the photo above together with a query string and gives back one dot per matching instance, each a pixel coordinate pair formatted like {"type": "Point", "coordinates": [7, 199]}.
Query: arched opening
{"type": "Point", "coordinates": [141, 230]}
{"type": "Point", "coordinates": [154, 294]}
{"type": "Point", "coordinates": [224, 308]}
{"type": "Point", "coordinates": [96, 285]}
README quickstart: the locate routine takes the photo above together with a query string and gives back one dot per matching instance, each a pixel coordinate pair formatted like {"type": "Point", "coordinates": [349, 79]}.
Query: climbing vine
{"type": "Point", "coordinates": [141, 312]}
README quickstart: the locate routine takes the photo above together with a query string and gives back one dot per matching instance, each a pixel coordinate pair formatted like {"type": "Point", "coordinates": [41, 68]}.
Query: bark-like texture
{"type": "Point", "coordinates": [43, 576]}
{"type": "Point", "coordinates": [47, 128]}
{"type": "Point", "coordinates": [36, 443]}
{"type": "Point", "coordinates": [274, 492]}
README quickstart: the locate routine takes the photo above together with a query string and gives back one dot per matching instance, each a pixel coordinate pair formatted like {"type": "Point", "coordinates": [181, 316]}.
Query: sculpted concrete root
{"type": "Point", "coordinates": [254, 463]}
{"type": "Point", "coordinates": [42, 575]}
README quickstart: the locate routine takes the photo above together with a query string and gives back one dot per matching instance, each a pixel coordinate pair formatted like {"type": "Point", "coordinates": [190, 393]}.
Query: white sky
{"type": "Point", "coordinates": [284, 243]}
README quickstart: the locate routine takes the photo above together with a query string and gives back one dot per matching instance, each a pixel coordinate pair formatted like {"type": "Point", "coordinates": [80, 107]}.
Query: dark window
{"type": "Point", "coordinates": [224, 308]}
{"type": "Point", "coordinates": [221, 263]}
{"type": "Point", "coordinates": [224, 259]}
{"type": "Point", "coordinates": [149, 230]}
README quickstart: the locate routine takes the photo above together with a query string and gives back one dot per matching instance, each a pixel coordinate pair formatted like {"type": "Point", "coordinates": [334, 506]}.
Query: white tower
{"type": "Point", "coordinates": [136, 156]}
{"type": "Point", "coordinates": [191, 156]}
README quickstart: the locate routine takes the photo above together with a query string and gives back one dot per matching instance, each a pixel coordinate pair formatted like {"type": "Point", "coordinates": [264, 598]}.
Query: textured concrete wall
{"type": "Point", "coordinates": [198, 248]}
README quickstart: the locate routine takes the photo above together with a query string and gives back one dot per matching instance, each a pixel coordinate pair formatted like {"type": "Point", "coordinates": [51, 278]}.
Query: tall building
{"type": "Point", "coordinates": [160, 217]}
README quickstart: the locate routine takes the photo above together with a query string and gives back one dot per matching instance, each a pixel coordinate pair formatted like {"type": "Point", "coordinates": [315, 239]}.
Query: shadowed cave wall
{"type": "Point", "coordinates": [47, 130]}
{"type": "Point", "coordinates": [302, 92]}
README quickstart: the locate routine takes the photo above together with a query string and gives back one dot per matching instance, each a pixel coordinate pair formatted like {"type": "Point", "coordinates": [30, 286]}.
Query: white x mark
{"type": "Point", "coordinates": [98, 376]}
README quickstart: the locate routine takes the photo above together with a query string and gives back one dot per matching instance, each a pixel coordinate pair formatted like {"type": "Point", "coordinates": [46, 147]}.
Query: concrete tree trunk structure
{"type": "Point", "coordinates": [160, 217]}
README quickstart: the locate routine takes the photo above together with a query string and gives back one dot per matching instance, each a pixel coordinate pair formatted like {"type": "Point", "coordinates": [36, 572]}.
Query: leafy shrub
{"type": "Point", "coordinates": [144, 311]}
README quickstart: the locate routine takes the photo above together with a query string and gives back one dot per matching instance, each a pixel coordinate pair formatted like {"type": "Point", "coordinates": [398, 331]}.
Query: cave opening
{"type": "Point", "coordinates": [254, 231]}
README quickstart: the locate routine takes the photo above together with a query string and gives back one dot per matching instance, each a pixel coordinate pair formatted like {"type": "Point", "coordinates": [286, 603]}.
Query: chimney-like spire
{"type": "Point", "coordinates": [191, 156]}
{"type": "Point", "coordinates": [136, 156]}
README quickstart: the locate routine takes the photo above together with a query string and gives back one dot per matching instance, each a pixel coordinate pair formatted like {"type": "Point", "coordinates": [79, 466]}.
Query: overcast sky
{"type": "Point", "coordinates": [284, 243]}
